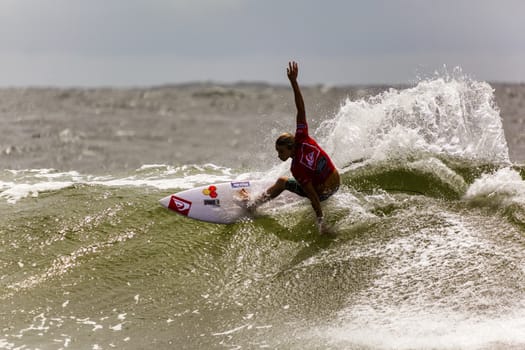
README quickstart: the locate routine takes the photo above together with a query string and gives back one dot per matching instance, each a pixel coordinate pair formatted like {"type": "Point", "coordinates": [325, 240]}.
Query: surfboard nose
{"type": "Point", "coordinates": [165, 202]}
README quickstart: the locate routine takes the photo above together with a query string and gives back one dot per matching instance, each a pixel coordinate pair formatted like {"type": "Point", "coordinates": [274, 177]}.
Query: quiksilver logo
{"type": "Point", "coordinates": [180, 205]}
{"type": "Point", "coordinates": [310, 158]}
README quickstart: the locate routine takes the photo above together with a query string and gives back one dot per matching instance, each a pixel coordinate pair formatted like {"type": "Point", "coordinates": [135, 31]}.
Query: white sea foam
{"type": "Point", "coordinates": [13, 192]}
{"type": "Point", "coordinates": [446, 330]}
{"type": "Point", "coordinates": [451, 116]}
{"type": "Point", "coordinates": [501, 188]}
{"type": "Point", "coordinates": [29, 183]}
{"type": "Point", "coordinates": [428, 296]}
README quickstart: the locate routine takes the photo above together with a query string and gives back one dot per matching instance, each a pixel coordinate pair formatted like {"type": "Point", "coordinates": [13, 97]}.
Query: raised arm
{"type": "Point", "coordinates": [292, 72]}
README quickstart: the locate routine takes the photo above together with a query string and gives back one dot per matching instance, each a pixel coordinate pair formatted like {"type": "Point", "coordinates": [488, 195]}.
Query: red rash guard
{"type": "Point", "coordinates": [310, 162]}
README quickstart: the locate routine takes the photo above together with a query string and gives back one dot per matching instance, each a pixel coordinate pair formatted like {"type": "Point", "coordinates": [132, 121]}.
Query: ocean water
{"type": "Point", "coordinates": [430, 221]}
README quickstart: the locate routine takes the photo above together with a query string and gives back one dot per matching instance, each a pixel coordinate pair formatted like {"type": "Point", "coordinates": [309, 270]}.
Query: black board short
{"type": "Point", "coordinates": [293, 186]}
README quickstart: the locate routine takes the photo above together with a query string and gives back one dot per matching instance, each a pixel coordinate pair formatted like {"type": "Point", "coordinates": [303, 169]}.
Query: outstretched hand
{"type": "Point", "coordinates": [292, 71]}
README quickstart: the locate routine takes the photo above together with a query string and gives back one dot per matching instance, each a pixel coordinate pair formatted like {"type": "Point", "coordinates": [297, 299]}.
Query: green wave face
{"type": "Point", "coordinates": [421, 237]}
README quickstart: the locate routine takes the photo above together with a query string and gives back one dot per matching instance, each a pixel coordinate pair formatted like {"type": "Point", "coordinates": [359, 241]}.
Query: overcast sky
{"type": "Point", "coordinates": [151, 42]}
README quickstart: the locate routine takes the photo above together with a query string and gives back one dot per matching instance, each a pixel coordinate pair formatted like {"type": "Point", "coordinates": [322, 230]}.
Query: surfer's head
{"type": "Point", "coordinates": [284, 145]}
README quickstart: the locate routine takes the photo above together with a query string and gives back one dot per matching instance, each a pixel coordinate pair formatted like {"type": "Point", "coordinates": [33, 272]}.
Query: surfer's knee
{"type": "Point", "coordinates": [281, 182]}
{"type": "Point", "coordinates": [278, 187]}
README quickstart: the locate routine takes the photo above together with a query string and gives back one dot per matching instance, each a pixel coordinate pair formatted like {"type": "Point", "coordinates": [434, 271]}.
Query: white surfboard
{"type": "Point", "coordinates": [222, 203]}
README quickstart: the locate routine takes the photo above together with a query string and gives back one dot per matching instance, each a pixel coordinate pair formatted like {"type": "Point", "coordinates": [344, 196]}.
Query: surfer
{"type": "Point", "coordinates": [314, 174]}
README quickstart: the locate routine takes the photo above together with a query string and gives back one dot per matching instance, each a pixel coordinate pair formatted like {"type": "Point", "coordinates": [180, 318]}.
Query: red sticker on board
{"type": "Point", "coordinates": [210, 191]}
{"type": "Point", "coordinates": [180, 205]}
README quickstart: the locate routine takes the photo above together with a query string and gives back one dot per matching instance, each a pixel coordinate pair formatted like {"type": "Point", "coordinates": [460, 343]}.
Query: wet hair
{"type": "Point", "coordinates": [285, 139]}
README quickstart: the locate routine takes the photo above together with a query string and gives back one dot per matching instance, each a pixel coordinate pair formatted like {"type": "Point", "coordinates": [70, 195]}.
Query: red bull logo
{"type": "Point", "coordinates": [210, 191]}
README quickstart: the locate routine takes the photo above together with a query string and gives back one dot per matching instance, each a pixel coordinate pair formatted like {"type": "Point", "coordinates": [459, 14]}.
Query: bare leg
{"type": "Point", "coordinates": [273, 191]}
{"type": "Point", "coordinates": [277, 188]}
